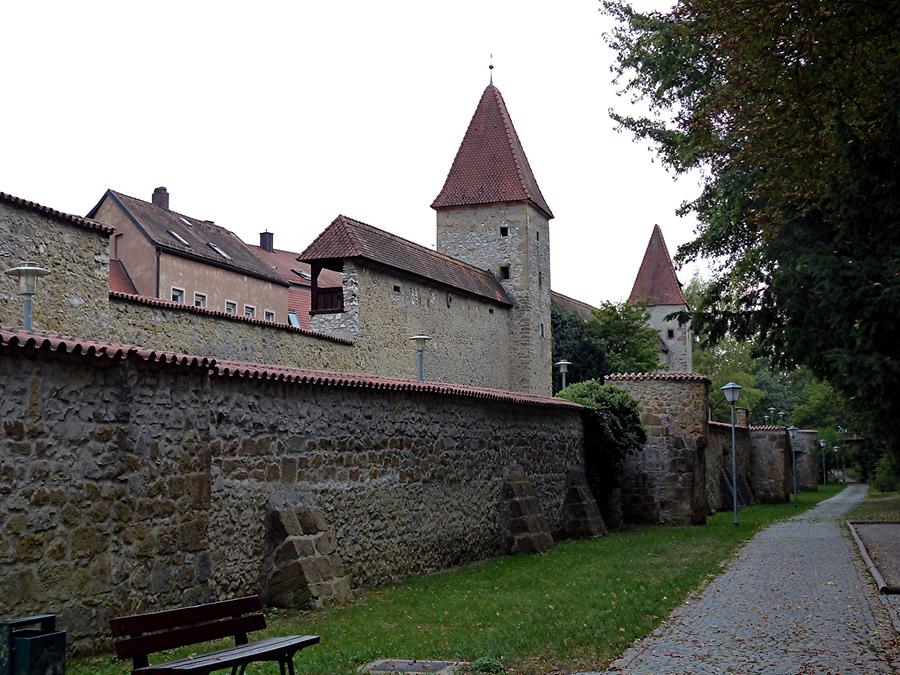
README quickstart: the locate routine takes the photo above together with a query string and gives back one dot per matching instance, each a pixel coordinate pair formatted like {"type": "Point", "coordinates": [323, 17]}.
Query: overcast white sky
{"type": "Point", "coordinates": [283, 115]}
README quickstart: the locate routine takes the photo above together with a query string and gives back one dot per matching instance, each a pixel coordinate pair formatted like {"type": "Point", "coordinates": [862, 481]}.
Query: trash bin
{"type": "Point", "coordinates": [32, 646]}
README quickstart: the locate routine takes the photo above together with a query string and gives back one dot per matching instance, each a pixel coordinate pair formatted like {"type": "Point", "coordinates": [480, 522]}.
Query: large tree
{"type": "Point", "coordinates": [623, 333]}
{"type": "Point", "coordinates": [790, 109]}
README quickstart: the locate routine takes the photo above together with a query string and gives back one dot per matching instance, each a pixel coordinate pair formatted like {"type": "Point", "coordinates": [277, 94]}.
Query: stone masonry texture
{"type": "Point", "coordinates": [130, 487]}
{"type": "Point", "coordinates": [74, 297]}
{"type": "Point", "coordinates": [665, 481]}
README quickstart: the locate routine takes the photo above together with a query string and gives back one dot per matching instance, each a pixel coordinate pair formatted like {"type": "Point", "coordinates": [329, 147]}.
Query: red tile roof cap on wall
{"type": "Point", "coordinates": [154, 302]}
{"type": "Point", "coordinates": [656, 280]}
{"type": "Point", "coordinates": [348, 238]}
{"type": "Point", "coordinates": [660, 375]}
{"type": "Point", "coordinates": [119, 279]}
{"type": "Point", "coordinates": [12, 340]}
{"type": "Point", "coordinates": [78, 221]}
{"type": "Point", "coordinates": [157, 222]}
{"type": "Point", "coordinates": [490, 165]}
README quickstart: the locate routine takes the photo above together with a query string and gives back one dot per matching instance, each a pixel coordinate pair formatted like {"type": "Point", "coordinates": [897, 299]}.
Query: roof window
{"type": "Point", "coordinates": [219, 251]}
{"type": "Point", "coordinates": [186, 221]}
{"type": "Point", "coordinates": [179, 238]}
{"type": "Point", "coordinates": [302, 274]}
{"type": "Point", "coordinates": [292, 318]}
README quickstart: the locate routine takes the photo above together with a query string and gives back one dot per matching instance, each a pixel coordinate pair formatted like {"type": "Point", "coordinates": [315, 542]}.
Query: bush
{"type": "Point", "coordinates": [612, 428]}
{"type": "Point", "coordinates": [887, 474]}
{"type": "Point", "coordinates": [486, 664]}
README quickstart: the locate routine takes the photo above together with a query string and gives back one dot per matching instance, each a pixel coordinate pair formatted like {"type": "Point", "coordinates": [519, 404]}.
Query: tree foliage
{"type": "Point", "coordinates": [790, 109]}
{"type": "Point", "coordinates": [572, 343]}
{"type": "Point", "coordinates": [622, 332]}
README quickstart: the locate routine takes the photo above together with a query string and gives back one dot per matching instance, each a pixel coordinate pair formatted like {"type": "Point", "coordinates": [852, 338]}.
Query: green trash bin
{"type": "Point", "coordinates": [32, 646]}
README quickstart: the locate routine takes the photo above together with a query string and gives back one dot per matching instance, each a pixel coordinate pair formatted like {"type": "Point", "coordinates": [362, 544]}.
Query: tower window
{"type": "Point", "coordinates": [671, 333]}
{"type": "Point", "coordinates": [396, 289]}
{"type": "Point", "coordinates": [504, 231]}
{"type": "Point", "coordinates": [542, 329]}
{"type": "Point", "coordinates": [540, 279]}
{"type": "Point", "coordinates": [504, 271]}
{"type": "Point", "coordinates": [537, 235]}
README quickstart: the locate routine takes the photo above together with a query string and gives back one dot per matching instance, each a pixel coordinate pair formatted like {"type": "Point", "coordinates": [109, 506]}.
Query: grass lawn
{"type": "Point", "coordinates": [577, 606]}
{"type": "Point", "coordinates": [877, 506]}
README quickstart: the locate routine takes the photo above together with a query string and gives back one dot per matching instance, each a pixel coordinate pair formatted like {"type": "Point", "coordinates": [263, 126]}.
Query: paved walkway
{"type": "Point", "coordinates": [796, 600]}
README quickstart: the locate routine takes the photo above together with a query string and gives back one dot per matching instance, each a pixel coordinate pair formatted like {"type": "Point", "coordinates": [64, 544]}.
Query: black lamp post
{"type": "Point", "coordinates": [732, 392]}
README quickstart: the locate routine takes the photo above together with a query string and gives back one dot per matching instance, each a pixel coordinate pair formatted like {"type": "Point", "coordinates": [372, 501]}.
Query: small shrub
{"type": "Point", "coordinates": [486, 664]}
{"type": "Point", "coordinates": [887, 473]}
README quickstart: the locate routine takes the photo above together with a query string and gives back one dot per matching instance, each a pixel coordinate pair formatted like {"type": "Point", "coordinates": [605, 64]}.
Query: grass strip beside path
{"type": "Point", "coordinates": [578, 606]}
{"type": "Point", "coordinates": [884, 506]}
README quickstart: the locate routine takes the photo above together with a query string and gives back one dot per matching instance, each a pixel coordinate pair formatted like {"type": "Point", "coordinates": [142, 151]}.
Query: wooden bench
{"type": "Point", "coordinates": [143, 634]}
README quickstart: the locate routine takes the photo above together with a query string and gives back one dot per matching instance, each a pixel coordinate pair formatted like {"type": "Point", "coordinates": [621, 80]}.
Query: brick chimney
{"type": "Point", "coordinates": [161, 197]}
{"type": "Point", "coordinates": [267, 241]}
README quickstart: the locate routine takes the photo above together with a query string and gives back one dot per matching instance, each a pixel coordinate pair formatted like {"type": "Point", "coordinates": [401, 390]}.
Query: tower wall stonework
{"type": "Point", "coordinates": [679, 357]}
{"type": "Point", "coordinates": [473, 234]}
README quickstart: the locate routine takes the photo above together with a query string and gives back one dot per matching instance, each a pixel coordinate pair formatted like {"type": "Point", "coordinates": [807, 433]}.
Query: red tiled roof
{"type": "Point", "coordinates": [300, 302]}
{"type": "Point", "coordinates": [349, 238]}
{"type": "Point", "coordinates": [158, 223]}
{"type": "Point", "coordinates": [19, 340]}
{"type": "Point", "coordinates": [766, 427]}
{"type": "Point", "coordinates": [119, 279]}
{"type": "Point", "coordinates": [490, 165]}
{"type": "Point", "coordinates": [582, 309]}
{"type": "Point", "coordinates": [656, 280]}
{"type": "Point", "coordinates": [285, 262]}
{"type": "Point", "coordinates": [659, 375]}
{"type": "Point", "coordinates": [78, 221]}
{"type": "Point", "coordinates": [154, 302]}
{"type": "Point", "coordinates": [15, 339]}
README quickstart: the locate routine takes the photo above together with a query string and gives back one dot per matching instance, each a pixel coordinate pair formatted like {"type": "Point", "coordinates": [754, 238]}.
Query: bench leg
{"type": "Point", "coordinates": [281, 667]}
{"type": "Point", "coordinates": [290, 663]}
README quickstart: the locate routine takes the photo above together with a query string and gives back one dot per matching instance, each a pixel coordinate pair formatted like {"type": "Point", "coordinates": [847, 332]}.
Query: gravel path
{"type": "Point", "coordinates": [796, 600]}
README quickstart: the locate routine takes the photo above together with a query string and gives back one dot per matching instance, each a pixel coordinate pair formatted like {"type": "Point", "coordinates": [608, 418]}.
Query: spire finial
{"type": "Point", "coordinates": [491, 69]}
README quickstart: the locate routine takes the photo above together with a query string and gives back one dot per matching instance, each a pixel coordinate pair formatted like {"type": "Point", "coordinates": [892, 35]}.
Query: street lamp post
{"type": "Point", "coordinates": [732, 392]}
{"type": "Point", "coordinates": [824, 475]}
{"type": "Point", "coordinates": [836, 450]}
{"type": "Point", "coordinates": [563, 369]}
{"type": "Point", "coordinates": [420, 341]}
{"type": "Point", "coordinates": [791, 429]}
{"type": "Point", "coordinates": [28, 274]}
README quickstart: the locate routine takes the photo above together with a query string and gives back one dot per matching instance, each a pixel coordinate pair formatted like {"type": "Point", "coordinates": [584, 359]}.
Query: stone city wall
{"type": "Point", "coordinates": [806, 445]}
{"type": "Point", "coordinates": [718, 466]}
{"type": "Point", "coordinates": [665, 482]}
{"type": "Point", "coordinates": [131, 486]}
{"type": "Point", "coordinates": [770, 464]}
{"type": "Point", "coordinates": [73, 298]}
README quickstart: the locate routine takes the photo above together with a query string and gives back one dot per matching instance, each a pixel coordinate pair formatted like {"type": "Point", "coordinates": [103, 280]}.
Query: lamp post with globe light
{"type": "Point", "coordinates": [563, 369]}
{"type": "Point", "coordinates": [732, 392]}
{"type": "Point", "coordinates": [824, 475]}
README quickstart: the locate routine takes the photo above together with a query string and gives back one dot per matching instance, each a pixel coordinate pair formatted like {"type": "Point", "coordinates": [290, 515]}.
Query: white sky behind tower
{"type": "Point", "coordinates": [282, 115]}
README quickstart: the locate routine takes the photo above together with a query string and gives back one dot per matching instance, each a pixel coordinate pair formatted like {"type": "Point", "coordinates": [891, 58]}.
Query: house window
{"type": "Point", "coordinates": [219, 250]}
{"type": "Point", "coordinates": [671, 333]}
{"type": "Point", "coordinates": [504, 271]}
{"type": "Point", "coordinates": [230, 307]}
{"type": "Point", "coordinates": [177, 237]}
{"type": "Point", "coordinates": [269, 315]}
{"type": "Point", "coordinates": [199, 299]}
{"type": "Point", "coordinates": [293, 320]}
{"type": "Point", "coordinates": [504, 231]}
{"type": "Point", "coordinates": [249, 311]}
{"type": "Point", "coordinates": [178, 295]}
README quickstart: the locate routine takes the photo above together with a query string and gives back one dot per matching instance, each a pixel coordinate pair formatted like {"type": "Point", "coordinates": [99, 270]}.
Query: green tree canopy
{"type": "Point", "coordinates": [622, 332]}
{"type": "Point", "coordinates": [790, 110]}
{"type": "Point", "coordinates": [572, 343]}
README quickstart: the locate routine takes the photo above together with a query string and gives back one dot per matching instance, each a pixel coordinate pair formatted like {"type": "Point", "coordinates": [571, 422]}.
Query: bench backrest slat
{"type": "Point", "coordinates": [142, 645]}
{"type": "Point", "coordinates": [185, 616]}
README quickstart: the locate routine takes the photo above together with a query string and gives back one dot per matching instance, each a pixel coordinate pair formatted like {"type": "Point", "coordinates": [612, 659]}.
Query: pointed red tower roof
{"type": "Point", "coordinates": [656, 280]}
{"type": "Point", "coordinates": [491, 165]}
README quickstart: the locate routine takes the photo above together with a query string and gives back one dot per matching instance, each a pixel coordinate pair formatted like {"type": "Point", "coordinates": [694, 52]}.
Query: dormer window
{"type": "Point", "coordinates": [177, 237]}
{"type": "Point", "coordinates": [219, 251]}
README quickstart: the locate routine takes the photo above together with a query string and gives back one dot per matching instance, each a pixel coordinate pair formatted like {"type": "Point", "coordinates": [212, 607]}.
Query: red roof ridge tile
{"type": "Point", "coordinates": [79, 221]}
{"type": "Point", "coordinates": [156, 302]}
{"type": "Point", "coordinates": [15, 339]}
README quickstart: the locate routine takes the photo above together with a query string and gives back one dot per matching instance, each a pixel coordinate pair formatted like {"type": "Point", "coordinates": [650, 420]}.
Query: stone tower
{"type": "Point", "coordinates": [656, 282]}
{"type": "Point", "coordinates": [491, 214]}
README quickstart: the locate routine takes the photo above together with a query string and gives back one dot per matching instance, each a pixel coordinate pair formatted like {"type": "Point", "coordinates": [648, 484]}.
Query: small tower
{"type": "Point", "coordinates": [656, 282]}
{"type": "Point", "coordinates": [491, 214]}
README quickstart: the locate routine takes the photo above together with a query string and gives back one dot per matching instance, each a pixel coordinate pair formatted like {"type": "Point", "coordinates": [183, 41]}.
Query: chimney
{"type": "Point", "coordinates": [161, 197]}
{"type": "Point", "coordinates": [267, 241]}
